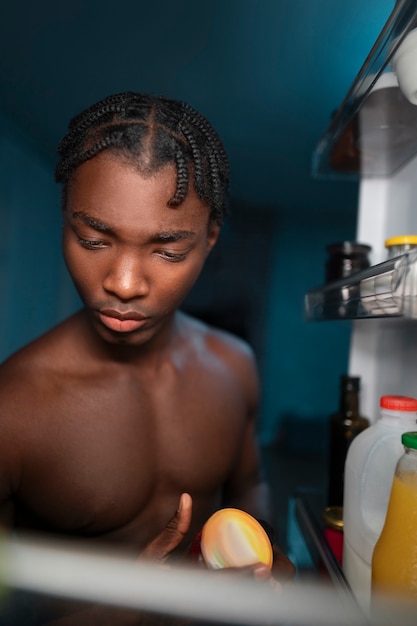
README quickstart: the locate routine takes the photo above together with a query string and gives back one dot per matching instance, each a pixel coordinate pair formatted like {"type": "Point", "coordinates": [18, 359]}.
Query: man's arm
{"type": "Point", "coordinates": [9, 473]}
{"type": "Point", "coordinates": [247, 488]}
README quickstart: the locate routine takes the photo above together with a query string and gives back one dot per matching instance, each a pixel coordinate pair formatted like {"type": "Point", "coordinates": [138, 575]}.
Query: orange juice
{"type": "Point", "coordinates": [394, 561]}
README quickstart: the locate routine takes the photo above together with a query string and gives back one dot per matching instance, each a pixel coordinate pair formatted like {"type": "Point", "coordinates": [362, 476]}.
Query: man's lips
{"type": "Point", "coordinates": [122, 322]}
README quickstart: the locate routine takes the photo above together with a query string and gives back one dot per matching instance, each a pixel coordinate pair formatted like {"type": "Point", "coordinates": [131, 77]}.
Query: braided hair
{"type": "Point", "coordinates": [151, 132]}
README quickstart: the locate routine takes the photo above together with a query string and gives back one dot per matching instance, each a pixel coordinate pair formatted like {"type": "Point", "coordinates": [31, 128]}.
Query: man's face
{"type": "Point", "coordinates": [132, 258]}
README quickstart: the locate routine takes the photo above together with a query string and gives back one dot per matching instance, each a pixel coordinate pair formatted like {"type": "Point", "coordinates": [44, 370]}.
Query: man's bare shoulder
{"type": "Point", "coordinates": [216, 339]}
{"type": "Point", "coordinates": [33, 365]}
{"type": "Point", "coordinates": [231, 350]}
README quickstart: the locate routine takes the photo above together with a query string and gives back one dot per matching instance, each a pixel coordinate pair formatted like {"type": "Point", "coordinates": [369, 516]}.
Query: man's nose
{"type": "Point", "coordinates": [127, 277]}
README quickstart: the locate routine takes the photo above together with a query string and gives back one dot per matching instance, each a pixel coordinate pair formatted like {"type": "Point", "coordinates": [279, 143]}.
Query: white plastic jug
{"type": "Point", "coordinates": [369, 471]}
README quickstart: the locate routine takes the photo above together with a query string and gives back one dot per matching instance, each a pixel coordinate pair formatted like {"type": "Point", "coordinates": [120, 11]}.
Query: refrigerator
{"type": "Point", "coordinates": [373, 138]}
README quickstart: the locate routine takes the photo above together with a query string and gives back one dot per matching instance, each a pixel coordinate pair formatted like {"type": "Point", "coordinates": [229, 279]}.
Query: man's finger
{"type": "Point", "coordinates": [173, 533]}
{"type": "Point", "coordinates": [283, 569]}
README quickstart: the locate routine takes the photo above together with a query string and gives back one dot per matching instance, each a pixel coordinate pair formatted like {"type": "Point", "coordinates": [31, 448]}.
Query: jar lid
{"type": "Point", "coordinates": [348, 247]}
{"type": "Point", "coordinates": [333, 517]}
{"type": "Point", "coordinates": [398, 403]}
{"type": "Point", "coordinates": [409, 440]}
{"type": "Point", "coordinates": [401, 240]}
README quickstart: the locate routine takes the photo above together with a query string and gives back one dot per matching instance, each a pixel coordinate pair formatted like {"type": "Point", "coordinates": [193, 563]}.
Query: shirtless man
{"type": "Point", "coordinates": [111, 416]}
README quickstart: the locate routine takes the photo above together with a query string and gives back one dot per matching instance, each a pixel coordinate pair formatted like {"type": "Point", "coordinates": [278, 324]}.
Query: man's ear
{"type": "Point", "coordinates": [213, 232]}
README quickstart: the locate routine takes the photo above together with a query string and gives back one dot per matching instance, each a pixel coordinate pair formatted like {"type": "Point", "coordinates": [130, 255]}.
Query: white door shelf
{"type": "Point", "coordinates": [374, 131]}
{"type": "Point", "coordinates": [388, 289]}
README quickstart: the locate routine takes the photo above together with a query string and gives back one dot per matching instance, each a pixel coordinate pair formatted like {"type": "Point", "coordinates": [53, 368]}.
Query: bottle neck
{"type": "Point", "coordinates": [349, 402]}
{"type": "Point", "coordinates": [409, 417]}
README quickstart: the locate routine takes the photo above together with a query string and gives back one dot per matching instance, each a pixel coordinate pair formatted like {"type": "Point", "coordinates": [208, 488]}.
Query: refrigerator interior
{"type": "Point", "coordinates": [384, 351]}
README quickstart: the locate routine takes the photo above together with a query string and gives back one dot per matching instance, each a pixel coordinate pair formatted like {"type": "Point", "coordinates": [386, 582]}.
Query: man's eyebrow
{"type": "Point", "coordinates": [92, 221]}
{"type": "Point", "coordinates": [165, 236]}
{"type": "Point", "coordinates": [169, 236]}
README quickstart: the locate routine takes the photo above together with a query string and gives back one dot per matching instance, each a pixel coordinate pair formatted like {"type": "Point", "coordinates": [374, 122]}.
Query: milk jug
{"type": "Point", "coordinates": [369, 471]}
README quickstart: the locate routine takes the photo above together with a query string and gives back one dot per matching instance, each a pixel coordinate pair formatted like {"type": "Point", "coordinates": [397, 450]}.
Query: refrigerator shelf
{"type": "Point", "coordinates": [373, 132]}
{"type": "Point", "coordinates": [388, 289]}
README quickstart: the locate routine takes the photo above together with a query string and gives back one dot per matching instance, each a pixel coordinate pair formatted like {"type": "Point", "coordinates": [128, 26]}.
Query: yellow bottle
{"type": "Point", "coordinates": [394, 560]}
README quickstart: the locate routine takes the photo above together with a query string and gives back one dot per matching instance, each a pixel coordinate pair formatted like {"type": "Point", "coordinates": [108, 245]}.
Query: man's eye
{"type": "Point", "coordinates": [90, 244]}
{"type": "Point", "coordinates": [173, 256]}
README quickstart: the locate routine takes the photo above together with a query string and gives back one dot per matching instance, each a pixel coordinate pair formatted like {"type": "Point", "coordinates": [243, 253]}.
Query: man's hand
{"type": "Point", "coordinates": [282, 572]}
{"type": "Point", "coordinates": [173, 533]}
{"type": "Point", "coordinates": [282, 569]}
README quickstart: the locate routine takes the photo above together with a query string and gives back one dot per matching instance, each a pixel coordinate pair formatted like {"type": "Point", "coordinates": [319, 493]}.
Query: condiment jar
{"type": "Point", "coordinates": [332, 517]}
{"type": "Point", "coordinates": [400, 244]}
{"type": "Point", "coordinates": [346, 258]}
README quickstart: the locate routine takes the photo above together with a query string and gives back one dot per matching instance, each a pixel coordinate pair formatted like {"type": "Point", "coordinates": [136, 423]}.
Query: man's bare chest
{"type": "Point", "coordinates": [99, 454]}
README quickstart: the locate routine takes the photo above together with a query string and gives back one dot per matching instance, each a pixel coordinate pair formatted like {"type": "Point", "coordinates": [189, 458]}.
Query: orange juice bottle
{"type": "Point", "coordinates": [394, 560]}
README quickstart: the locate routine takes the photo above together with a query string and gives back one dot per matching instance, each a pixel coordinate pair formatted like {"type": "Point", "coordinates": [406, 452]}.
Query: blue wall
{"type": "Point", "coordinates": [302, 361]}
{"type": "Point", "coordinates": [36, 292]}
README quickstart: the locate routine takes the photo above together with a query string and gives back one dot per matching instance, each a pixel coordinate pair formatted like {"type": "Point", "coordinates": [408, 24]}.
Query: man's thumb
{"type": "Point", "coordinates": [173, 533]}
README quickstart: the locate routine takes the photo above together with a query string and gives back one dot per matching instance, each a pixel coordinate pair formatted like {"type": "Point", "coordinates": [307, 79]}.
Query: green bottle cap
{"type": "Point", "coordinates": [409, 440]}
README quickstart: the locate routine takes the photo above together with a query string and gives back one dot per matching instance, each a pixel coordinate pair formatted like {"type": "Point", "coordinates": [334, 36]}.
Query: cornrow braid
{"type": "Point", "coordinates": [151, 132]}
{"type": "Point", "coordinates": [182, 179]}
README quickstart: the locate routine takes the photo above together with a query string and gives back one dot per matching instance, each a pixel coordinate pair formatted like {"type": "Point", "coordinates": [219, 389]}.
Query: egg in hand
{"type": "Point", "coordinates": [233, 538]}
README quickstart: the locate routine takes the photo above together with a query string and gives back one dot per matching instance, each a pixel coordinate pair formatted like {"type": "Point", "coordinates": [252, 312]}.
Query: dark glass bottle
{"type": "Point", "coordinates": [343, 428]}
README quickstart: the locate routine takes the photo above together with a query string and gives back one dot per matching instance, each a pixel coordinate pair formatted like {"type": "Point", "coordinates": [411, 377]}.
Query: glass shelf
{"type": "Point", "coordinates": [388, 289]}
{"type": "Point", "coordinates": [374, 131]}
